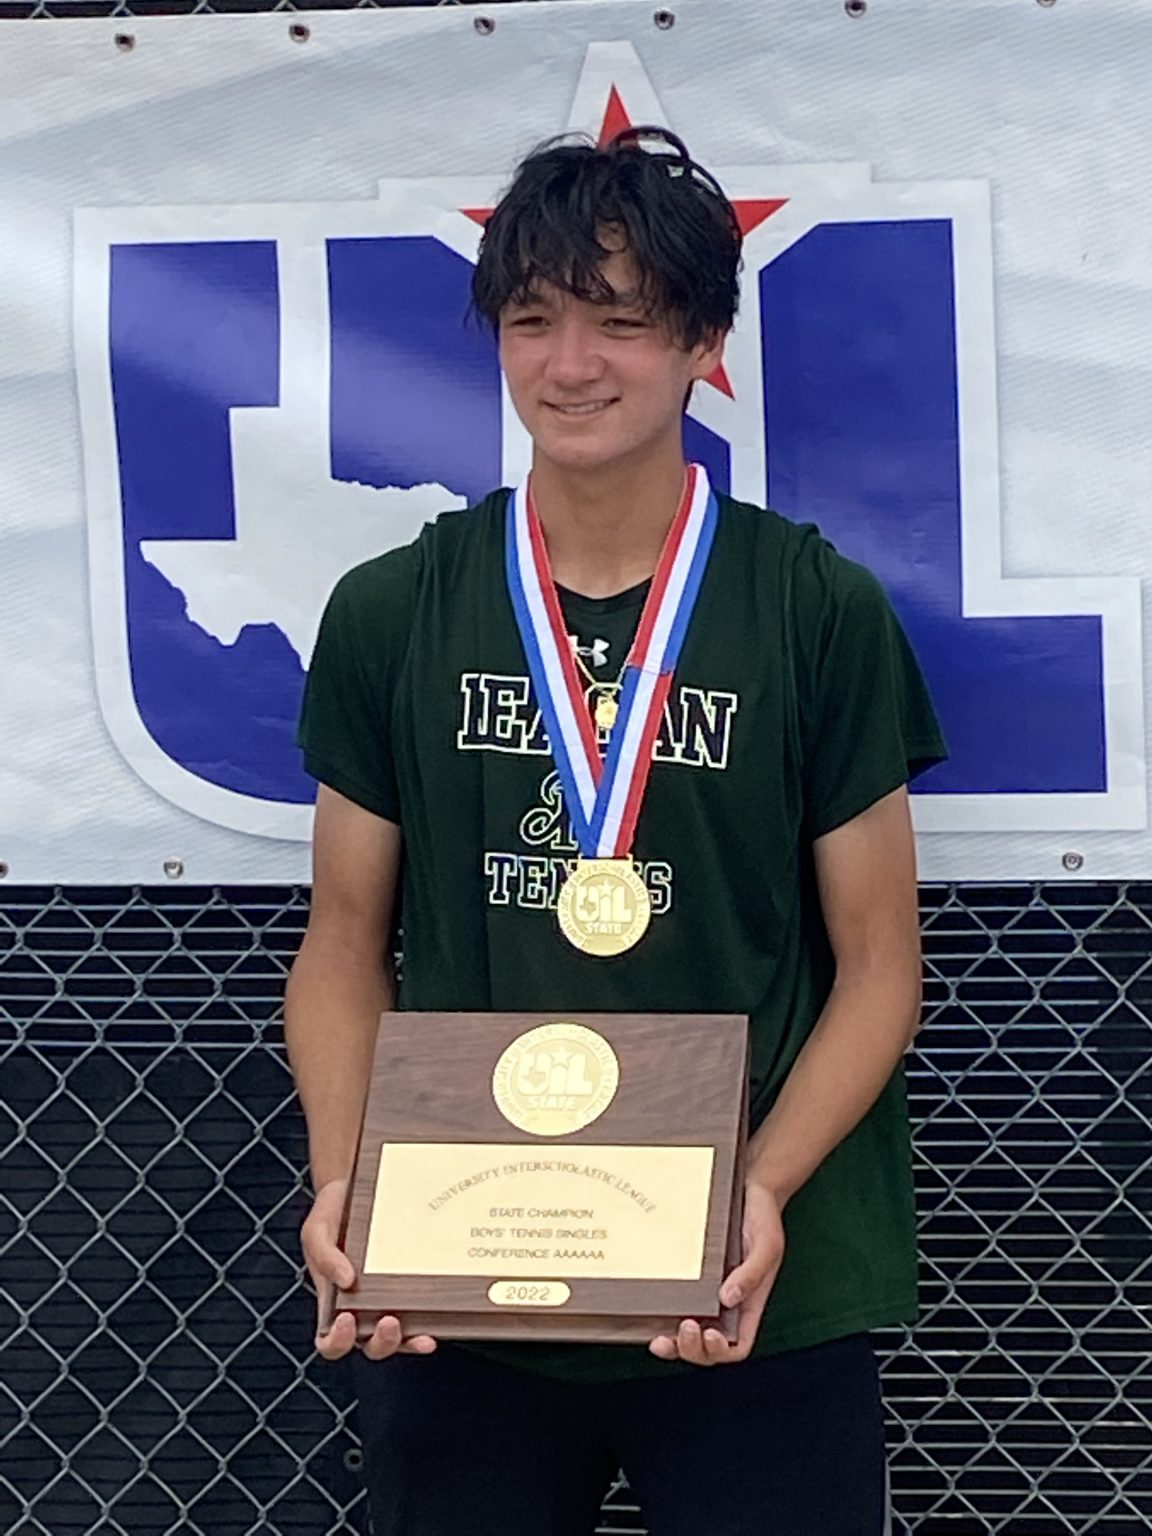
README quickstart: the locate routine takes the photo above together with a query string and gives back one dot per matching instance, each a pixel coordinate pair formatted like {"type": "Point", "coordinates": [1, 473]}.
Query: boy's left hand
{"type": "Point", "coordinates": [748, 1287]}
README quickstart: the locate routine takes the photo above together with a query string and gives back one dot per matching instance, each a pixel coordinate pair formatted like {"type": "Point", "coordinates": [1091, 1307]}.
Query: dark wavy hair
{"type": "Point", "coordinates": [667, 211]}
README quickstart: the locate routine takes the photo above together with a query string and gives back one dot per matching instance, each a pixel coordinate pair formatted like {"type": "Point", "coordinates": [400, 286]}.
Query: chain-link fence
{"type": "Point", "coordinates": [156, 1373]}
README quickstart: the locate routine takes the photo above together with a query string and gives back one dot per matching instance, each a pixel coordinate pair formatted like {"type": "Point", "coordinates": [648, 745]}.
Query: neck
{"type": "Point", "coordinates": [605, 528]}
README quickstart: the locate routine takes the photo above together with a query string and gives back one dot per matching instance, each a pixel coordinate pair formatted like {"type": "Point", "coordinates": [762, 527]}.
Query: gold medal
{"type": "Point", "coordinates": [604, 906]}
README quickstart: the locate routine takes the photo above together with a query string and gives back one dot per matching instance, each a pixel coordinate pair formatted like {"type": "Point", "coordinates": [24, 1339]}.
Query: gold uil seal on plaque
{"type": "Point", "coordinates": [555, 1079]}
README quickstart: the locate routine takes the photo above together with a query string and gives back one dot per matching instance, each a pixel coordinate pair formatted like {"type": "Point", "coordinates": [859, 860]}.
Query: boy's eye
{"type": "Point", "coordinates": [527, 322]}
{"type": "Point", "coordinates": [625, 323]}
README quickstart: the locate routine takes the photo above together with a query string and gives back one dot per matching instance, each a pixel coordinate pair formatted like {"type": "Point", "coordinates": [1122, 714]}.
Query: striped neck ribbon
{"type": "Point", "coordinates": [603, 796]}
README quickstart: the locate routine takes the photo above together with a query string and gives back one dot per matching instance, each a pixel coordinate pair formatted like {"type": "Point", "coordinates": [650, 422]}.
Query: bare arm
{"type": "Point", "coordinates": [867, 876]}
{"type": "Point", "coordinates": [340, 984]}
{"type": "Point", "coordinates": [341, 981]}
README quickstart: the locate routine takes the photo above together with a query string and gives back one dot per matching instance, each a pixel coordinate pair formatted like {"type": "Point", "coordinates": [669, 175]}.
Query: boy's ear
{"type": "Point", "coordinates": [708, 354]}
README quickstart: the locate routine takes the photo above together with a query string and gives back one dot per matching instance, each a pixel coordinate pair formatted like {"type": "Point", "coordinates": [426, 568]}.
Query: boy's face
{"type": "Point", "coordinates": [598, 384]}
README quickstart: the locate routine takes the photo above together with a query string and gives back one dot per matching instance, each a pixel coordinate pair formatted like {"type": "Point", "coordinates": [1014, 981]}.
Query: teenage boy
{"type": "Point", "coordinates": [754, 695]}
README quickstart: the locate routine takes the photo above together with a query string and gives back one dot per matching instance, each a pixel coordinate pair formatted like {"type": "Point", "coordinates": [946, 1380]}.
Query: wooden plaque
{"type": "Point", "coordinates": [549, 1176]}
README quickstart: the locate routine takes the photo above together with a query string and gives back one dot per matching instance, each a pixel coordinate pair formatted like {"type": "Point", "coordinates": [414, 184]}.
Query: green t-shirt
{"type": "Point", "coordinates": [797, 703]}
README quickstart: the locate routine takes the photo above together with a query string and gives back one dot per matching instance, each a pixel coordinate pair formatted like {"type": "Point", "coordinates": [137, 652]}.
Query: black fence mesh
{"type": "Point", "coordinates": [156, 1370]}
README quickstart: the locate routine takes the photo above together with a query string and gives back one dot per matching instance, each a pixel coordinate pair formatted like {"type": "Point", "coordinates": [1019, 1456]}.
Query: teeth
{"type": "Point", "coordinates": [583, 410]}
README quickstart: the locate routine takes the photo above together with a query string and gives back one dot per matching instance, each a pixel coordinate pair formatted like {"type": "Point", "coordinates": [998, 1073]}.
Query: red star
{"type": "Point", "coordinates": [616, 119]}
{"type": "Point", "coordinates": [750, 211]}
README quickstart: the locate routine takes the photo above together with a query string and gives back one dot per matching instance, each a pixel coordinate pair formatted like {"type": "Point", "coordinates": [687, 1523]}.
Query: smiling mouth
{"type": "Point", "coordinates": [588, 408]}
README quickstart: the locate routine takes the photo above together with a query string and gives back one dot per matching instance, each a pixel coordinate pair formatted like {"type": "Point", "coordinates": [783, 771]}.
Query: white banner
{"type": "Point", "coordinates": [233, 363]}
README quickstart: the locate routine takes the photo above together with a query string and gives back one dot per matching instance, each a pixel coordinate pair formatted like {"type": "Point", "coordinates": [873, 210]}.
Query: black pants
{"type": "Point", "coordinates": [787, 1445]}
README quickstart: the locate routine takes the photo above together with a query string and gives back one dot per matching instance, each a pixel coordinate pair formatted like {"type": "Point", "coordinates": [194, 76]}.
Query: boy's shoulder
{"type": "Point", "coordinates": [810, 566]}
{"type": "Point", "coordinates": [450, 536]}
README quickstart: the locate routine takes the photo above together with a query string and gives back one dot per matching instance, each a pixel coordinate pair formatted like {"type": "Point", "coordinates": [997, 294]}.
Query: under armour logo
{"type": "Point", "coordinates": [596, 653]}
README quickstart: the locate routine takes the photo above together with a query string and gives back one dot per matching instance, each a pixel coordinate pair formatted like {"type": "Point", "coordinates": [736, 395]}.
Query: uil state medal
{"type": "Point", "coordinates": [604, 906]}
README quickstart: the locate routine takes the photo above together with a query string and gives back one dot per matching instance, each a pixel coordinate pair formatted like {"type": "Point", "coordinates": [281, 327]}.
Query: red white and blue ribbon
{"type": "Point", "coordinates": [603, 797]}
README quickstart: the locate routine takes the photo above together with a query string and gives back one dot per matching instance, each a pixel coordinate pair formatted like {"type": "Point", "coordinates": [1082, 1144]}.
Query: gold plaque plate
{"type": "Point", "coordinates": [604, 907]}
{"type": "Point", "coordinates": [540, 1213]}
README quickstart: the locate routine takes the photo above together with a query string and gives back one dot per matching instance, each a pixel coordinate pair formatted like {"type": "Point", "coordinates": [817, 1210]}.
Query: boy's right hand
{"type": "Point", "coordinates": [332, 1270]}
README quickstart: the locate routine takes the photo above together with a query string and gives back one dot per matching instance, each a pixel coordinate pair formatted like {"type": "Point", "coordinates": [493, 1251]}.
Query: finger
{"type": "Point", "coordinates": [663, 1347]}
{"type": "Point", "coordinates": [328, 1262]}
{"type": "Point", "coordinates": [747, 1278]}
{"type": "Point", "coordinates": [419, 1344]}
{"type": "Point", "coordinates": [325, 1304]}
{"type": "Point", "coordinates": [690, 1343]}
{"type": "Point", "coordinates": [339, 1338]}
{"type": "Point", "coordinates": [717, 1348]}
{"type": "Point", "coordinates": [385, 1339]}
{"type": "Point", "coordinates": [324, 1257]}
